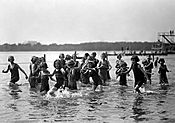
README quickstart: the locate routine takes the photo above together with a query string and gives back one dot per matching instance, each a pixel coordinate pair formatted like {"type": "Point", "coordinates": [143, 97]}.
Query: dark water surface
{"type": "Point", "coordinates": [115, 105]}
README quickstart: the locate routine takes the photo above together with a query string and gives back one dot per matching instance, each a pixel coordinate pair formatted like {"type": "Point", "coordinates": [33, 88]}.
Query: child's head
{"type": "Point", "coordinates": [161, 61]}
{"type": "Point", "coordinates": [68, 57]}
{"type": "Point", "coordinates": [86, 55]}
{"type": "Point", "coordinates": [135, 58]}
{"type": "Point", "coordinates": [42, 59]}
{"type": "Point", "coordinates": [94, 54]}
{"type": "Point", "coordinates": [103, 55]}
{"type": "Point", "coordinates": [43, 65]}
{"type": "Point", "coordinates": [11, 59]}
{"type": "Point", "coordinates": [34, 59]}
{"type": "Point", "coordinates": [70, 63]}
{"type": "Point", "coordinates": [61, 56]}
{"type": "Point", "coordinates": [57, 64]}
{"type": "Point", "coordinates": [123, 64]}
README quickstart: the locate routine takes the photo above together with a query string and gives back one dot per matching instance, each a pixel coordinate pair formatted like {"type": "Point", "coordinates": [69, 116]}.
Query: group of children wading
{"type": "Point", "coordinates": [68, 71]}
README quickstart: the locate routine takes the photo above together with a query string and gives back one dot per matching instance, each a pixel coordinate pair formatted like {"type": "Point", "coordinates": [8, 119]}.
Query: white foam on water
{"type": "Point", "coordinates": [61, 93]}
{"type": "Point", "coordinates": [143, 90]}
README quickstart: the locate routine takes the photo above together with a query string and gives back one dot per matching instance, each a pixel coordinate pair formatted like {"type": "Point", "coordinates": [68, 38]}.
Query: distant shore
{"type": "Point", "coordinates": [95, 46]}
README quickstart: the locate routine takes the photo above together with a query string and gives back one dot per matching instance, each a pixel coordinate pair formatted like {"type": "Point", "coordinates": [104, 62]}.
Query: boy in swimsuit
{"type": "Point", "coordinates": [140, 75]}
{"type": "Point", "coordinates": [162, 72]}
{"type": "Point", "coordinates": [14, 70]}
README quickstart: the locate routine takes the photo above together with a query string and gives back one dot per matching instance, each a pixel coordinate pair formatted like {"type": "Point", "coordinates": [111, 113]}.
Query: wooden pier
{"type": "Point", "coordinates": [150, 54]}
{"type": "Point", "coordinates": [139, 54]}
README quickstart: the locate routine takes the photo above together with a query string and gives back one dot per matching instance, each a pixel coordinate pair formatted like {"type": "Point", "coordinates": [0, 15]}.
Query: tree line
{"type": "Point", "coordinates": [94, 46]}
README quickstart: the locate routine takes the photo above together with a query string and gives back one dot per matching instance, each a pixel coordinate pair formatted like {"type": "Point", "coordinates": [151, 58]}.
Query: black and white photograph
{"type": "Point", "coordinates": [87, 61]}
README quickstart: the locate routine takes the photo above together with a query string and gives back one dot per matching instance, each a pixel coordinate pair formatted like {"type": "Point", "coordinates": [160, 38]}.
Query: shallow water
{"type": "Point", "coordinates": [115, 105]}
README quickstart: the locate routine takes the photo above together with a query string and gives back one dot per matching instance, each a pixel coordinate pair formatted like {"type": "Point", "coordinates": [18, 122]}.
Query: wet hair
{"type": "Point", "coordinates": [135, 57]}
{"type": "Point", "coordinates": [11, 58]}
{"type": "Point", "coordinates": [161, 60]}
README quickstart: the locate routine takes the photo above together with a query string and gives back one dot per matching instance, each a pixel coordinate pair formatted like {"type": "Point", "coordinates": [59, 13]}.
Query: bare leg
{"type": "Point", "coordinates": [94, 87]}
{"type": "Point", "coordinates": [137, 89]}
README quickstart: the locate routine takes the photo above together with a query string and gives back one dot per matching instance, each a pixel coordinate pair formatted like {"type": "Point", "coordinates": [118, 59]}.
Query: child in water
{"type": "Point", "coordinates": [103, 67]}
{"type": "Point", "coordinates": [162, 72]}
{"type": "Point", "coordinates": [155, 62]}
{"type": "Point", "coordinates": [34, 72]}
{"type": "Point", "coordinates": [93, 72]}
{"type": "Point", "coordinates": [44, 75]}
{"type": "Point", "coordinates": [139, 74]}
{"type": "Point", "coordinates": [62, 60]}
{"type": "Point", "coordinates": [148, 66]}
{"type": "Point", "coordinates": [14, 69]}
{"type": "Point", "coordinates": [84, 77]}
{"type": "Point", "coordinates": [123, 73]}
{"type": "Point", "coordinates": [72, 84]}
{"type": "Point", "coordinates": [59, 75]}
{"type": "Point", "coordinates": [117, 66]}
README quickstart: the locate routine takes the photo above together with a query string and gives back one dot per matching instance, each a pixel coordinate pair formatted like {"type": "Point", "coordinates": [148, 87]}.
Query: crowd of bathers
{"type": "Point", "coordinates": [68, 71]}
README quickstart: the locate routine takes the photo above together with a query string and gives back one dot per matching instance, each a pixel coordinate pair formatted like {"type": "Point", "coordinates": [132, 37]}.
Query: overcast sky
{"type": "Point", "coordinates": [78, 21]}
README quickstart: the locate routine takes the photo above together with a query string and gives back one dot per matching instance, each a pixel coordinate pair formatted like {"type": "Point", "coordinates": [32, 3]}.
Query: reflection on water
{"type": "Point", "coordinates": [138, 110]}
{"type": "Point", "coordinates": [117, 104]}
{"type": "Point", "coordinates": [12, 106]}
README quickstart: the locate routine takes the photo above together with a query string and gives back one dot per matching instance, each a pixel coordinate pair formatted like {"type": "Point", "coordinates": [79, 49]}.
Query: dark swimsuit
{"type": "Point", "coordinates": [123, 80]}
{"type": "Point", "coordinates": [71, 79]}
{"type": "Point", "coordinates": [163, 77]}
{"type": "Point", "coordinates": [59, 78]}
{"type": "Point", "coordinates": [44, 83]}
{"type": "Point", "coordinates": [138, 75]}
{"type": "Point", "coordinates": [14, 73]}
{"type": "Point", "coordinates": [95, 77]}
